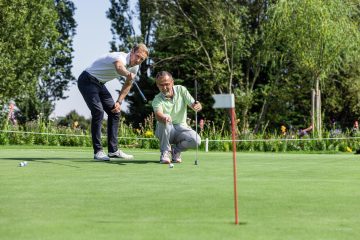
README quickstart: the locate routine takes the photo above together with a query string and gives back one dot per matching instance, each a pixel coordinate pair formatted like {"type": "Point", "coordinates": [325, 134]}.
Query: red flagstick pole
{"type": "Point", "coordinates": [233, 129]}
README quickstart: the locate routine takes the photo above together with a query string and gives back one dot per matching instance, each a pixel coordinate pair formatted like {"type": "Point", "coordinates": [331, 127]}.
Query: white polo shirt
{"type": "Point", "coordinates": [104, 70]}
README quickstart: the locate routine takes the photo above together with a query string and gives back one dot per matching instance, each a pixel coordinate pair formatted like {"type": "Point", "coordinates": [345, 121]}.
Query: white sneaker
{"type": "Point", "coordinates": [165, 157]}
{"type": "Point", "coordinates": [120, 154]}
{"type": "Point", "coordinates": [101, 156]}
{"type": "Point", "coordinates": [176, 156]}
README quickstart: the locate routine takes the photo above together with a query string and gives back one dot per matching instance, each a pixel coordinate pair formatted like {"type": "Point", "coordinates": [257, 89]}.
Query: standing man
{"type": "Point", "coordinates": [170, 108]}
{"type": "Point", "coordinates": [91, 84]}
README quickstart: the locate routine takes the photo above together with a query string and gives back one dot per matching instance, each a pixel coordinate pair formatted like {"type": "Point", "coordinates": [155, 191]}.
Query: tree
{"type": "Point", "coordinates": [27, 27]}
{"type": "Point", "coordinates": [36, 58]}
{"type": "Point", "coordinates": [205, 41]}
{"type": "Point", "coordinates": [57, 77]}
{"type": "Point", "coordinates": [123, 27]}
{"type": "Point", "coordinates": [241, 47]}
{"type": "Point", "coordinates": [312, 34]}
{"type": "Point", "coordinates": [74, 120]}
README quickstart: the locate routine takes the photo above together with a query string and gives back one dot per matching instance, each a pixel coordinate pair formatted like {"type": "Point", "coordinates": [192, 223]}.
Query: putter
{"type": "Point", "coordinates": [138, 88]}
{"type": "Point", "coordinates": [140, 92]}
{"type": "Point", "coordinates": [196, 126]}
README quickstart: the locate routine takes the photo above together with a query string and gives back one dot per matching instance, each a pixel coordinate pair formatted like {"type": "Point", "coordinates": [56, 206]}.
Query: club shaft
{"type": "Point", "coordinates": [140, 92]}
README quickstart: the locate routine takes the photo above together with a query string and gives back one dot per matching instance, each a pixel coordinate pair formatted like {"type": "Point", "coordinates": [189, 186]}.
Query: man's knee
{"type": "Point", "coordinates": [97, 114]}
{"type": "Point", "coordinates": [115, 116]}
{"type": "Point", "coordinates": [198, 140]}
{"type": "Point", "coordinates": [193, 142]}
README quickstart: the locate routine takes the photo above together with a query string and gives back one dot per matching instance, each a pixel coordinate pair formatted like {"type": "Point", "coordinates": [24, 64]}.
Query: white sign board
{"type": "Point", "coordinates": [224, 101]}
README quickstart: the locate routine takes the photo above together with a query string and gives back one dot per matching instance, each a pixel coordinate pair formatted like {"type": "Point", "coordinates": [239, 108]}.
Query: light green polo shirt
{"type": "Point", "coordinates": [175, 107]}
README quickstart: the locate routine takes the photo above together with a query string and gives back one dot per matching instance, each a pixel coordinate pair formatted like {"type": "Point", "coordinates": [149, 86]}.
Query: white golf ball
{"type": "Point", "coordinates": [23, 164]}
{"type": "Point", "coordinates": [171, 165]}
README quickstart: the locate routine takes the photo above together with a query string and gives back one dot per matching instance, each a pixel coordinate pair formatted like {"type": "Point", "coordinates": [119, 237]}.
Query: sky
{"type": "Point", "coordinates": [90, 42]}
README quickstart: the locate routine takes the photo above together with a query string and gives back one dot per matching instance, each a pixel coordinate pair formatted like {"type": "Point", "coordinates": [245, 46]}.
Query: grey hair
{"type": "Point", "coordinates": [162, 74]}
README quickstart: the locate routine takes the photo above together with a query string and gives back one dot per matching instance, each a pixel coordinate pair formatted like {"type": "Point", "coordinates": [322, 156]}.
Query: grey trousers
{"type": "Point", "coordinates": [182, 137]}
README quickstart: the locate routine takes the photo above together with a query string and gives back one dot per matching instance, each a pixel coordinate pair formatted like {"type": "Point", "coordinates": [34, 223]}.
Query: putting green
{"type": "Point", "coordinates": [63, 194]}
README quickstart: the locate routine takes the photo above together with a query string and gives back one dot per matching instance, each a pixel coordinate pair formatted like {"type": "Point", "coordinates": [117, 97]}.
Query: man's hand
{"type": "Point", "coordinates": [196, 106]}
{"type": "Point", "coordinates": [117, 108]}
{"type": "Point", "coordinates": [130, 77]}
{"type": "Point", "coordinates": [166, 118]}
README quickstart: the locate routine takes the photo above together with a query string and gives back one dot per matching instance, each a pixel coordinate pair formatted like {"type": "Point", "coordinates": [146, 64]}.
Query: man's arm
{"type": "Point", "coordinates": [129, 76]}
{"type": "Point", "coordinates": [121, 69]}
{"type": "Point", "coordinates": [161, 117]}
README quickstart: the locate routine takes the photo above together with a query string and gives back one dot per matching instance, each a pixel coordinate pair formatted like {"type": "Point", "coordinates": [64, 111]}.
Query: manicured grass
{"type": "Point", "coordinates": [64, 194]}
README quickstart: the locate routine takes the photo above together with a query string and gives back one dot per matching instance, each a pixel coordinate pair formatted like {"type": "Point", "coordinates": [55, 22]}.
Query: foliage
{"type": "Point", "coordinates": [27, 28]}
{"type": "Point", "coordinates": [36, 46]}
{"type": "Point", "coordinates": [74, 120]}
{"type": "Point", "coordinates": [43, 132]}
{"type": "Point", "coordinates": [125, 36]}
{"type": "Point", "coordinates": [202, 41]}
{"type": "Point", "coordinates": [253, 49]}
{"type": "Point", "coordinates": [57, 77]}
{"type": "Point", "coordinates": [310, 35]}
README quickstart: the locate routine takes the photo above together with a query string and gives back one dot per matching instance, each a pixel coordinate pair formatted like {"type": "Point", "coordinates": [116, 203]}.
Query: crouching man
{"type": "Point", "coordinates": [170, 108]}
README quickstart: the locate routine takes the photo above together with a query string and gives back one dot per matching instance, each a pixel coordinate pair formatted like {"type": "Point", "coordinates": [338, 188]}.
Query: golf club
{"type": "Point", "coordinates": [196, 126]}
{"type": "Point", "coordinates": [138, 88]}
{"type": "Point", "coordinates": [140, 92]}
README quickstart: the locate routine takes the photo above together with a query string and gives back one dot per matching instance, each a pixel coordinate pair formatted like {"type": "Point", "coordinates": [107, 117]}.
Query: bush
{"type": "Point", "coordinates": [49, 133]}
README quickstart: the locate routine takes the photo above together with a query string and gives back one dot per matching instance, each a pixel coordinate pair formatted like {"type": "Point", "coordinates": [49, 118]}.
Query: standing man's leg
{"type": "Point", "coordinates": [112, 121]}
{"type": "Point", "coordinates": [91, 94]}
{"type": "Point", "coordinates": [112, 131]}
{"type": "Point", "coordinates": [112, 126]}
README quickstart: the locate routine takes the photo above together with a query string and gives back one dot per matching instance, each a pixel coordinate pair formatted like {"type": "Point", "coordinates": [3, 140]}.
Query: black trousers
{"type": "Point", "coordinates": [99, 99]}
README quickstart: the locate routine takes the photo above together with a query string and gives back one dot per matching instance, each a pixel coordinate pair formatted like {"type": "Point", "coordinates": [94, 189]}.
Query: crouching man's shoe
{"type": "Point", "coordinates": [176, 156]}
{"type": "Point", "coordinates": [165, 157]}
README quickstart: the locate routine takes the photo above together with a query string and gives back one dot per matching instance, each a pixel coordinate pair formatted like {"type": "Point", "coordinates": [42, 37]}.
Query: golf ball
{"type": "Point", "coordinates": [171, 165]}
{"type": "Point", "coordinates": [22, 164]}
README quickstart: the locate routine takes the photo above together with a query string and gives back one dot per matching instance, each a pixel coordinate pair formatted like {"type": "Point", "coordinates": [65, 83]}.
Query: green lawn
{"type": "Point", "coordinates": [64, 194]}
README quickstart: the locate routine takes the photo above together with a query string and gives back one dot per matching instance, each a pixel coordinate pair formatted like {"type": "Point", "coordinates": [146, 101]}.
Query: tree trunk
{"type": "Point", "coordinates": [261, 116]}
{"type": "Point", "coordinates": [313, 111]}
{"type": "Point", "coordinates": [318, 107]}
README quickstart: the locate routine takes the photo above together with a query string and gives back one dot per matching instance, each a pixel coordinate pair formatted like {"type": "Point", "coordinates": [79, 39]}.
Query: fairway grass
{"type": "Point", "coordinates": [64, 194]}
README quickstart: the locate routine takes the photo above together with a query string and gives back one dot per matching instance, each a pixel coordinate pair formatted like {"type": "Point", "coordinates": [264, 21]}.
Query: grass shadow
{"type": "Point", "coordinates": [124, 162]}
{"type": "Point", "coordinates": [41, 160]}
{"type": "Point", "coordinates": [32, 158]}
{"type": "Point", "coordinates": [79, 160]}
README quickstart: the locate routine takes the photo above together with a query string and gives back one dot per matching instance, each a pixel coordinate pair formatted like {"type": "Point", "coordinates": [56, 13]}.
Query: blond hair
{"type": "Point", "coordinates": [141, 48]}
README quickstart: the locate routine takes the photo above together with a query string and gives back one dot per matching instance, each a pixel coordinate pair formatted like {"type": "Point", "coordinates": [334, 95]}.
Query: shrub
{"type": "Point", "coordinates": [49, 133]}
